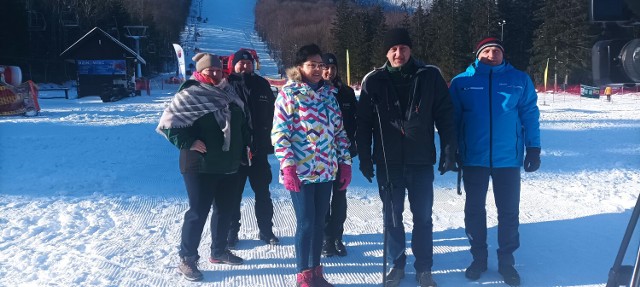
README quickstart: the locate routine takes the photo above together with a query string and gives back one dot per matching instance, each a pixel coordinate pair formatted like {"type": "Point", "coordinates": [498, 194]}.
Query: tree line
{"type": "Point", "coordinates": [36, 31]}
{"type": "Point", "coordinates": [444, 33]}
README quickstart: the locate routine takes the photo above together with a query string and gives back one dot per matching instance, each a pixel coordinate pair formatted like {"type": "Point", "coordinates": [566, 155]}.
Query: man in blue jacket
{"type": "Point", "coordinates": [497, 120]}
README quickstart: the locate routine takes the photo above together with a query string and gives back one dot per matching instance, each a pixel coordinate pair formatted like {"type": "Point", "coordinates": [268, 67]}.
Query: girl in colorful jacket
{"type": "Point", "coordinates": [313, 149]}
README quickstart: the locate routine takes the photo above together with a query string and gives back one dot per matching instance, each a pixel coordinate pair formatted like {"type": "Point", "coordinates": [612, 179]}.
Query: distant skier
{"type": "Point", "coordinates": [312, 147]}
{"type": "Point", "coordinates": [256, 93]}
{"type": "Point", "coordinates": [398, 107]}
{"type": "Point", "coordinates": [607, 92]}
{"type": "Point", "coordinates": [334, 222]}
{"type": "Point", "coordinates": [497, 117]}
{"type": "Point", "coordinates": [206, 120]}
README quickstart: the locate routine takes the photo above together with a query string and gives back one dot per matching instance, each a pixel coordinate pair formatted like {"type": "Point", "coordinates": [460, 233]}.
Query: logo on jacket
{"type": "Point", "coordinates": [472, 88]}
{"type": "Point", "coordinates": [510, 86]}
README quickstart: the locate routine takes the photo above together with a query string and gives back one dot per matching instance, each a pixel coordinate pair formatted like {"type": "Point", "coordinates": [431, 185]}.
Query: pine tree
{"type": "Point", "coordinates": [518, 30]}
{"type": "Point", "coordinates": [563, 40]}
{"type": "Point", "coordinates": [419, 33]}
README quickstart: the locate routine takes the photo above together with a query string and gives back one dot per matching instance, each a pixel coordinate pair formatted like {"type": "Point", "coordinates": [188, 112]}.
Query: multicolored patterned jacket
{"type": "Point", "coordinates": [308, 132]}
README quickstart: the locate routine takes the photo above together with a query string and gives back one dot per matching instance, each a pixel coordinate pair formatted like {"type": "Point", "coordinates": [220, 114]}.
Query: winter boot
{"type": "Point", "coordinates": [476, 268]}
{"type": "Point", "coordinates": [226, 258]}
{"type": "Point", "coordinates": [305, 279]}
{"type": "Point", "coordinates": [510, 275]}
{"type": "Point", "coordinates": [270, 239]}
{"type": "Point", "coordinates": [318, 278]}
{"type": "Point", "coordinates": [189, 268]}
{"type": "Point", "coordinates": [425, 279]}
{"type": "Point", "coordinates": [328, 248]}
{"type": "Point", "coordinates": [394, 277]}
{"type": "Point", "coordinates": [341, 250]}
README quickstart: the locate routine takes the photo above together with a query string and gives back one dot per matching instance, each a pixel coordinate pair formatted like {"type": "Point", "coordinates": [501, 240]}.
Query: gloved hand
{"type": "Point", "coordinates": [448, 160]}
{"type": "Point", "coordinates": [290, 179]}
{"type": "Point", "coordinates": [366, 167]}
{"type": "Point", "coordinates": [532, 159]}
{"type": "Point", "coordinates": [344, 175]}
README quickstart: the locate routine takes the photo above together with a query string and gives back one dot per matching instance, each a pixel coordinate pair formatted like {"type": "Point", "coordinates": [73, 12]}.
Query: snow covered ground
{"type": "Point", "coordinates": [91, 195]}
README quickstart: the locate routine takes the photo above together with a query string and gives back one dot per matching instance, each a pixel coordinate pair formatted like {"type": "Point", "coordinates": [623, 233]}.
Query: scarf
{"type": "Point", "coordinates": [198, 100]}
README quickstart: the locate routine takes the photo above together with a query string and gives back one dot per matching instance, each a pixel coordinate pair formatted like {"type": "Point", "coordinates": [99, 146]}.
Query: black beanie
{"type": "Point", "coordinates": [396, 36]}
{"type": "Point", "coordinates": [329, 59]}
{"type": "Point", "coordinates": [241, 55]}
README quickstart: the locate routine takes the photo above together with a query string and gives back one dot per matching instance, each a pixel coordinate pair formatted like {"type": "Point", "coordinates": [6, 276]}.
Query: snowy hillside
{"type": "Point", "coordinates": [91, 195]}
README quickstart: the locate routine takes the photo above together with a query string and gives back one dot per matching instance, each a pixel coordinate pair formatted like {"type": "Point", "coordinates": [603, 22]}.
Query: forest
{"type": "Point", "coordinates": [35, 32]}
{"type": "Point", "coordinates": [444, 32]}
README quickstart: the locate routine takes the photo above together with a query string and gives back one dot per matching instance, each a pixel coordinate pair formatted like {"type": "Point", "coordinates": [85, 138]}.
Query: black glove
{"type": "Point", "coordinates": [532, 159]}
{"type": "Point", "coordinates": [366, 167]}
{"type": "Point", "coordinates": [447, 160]}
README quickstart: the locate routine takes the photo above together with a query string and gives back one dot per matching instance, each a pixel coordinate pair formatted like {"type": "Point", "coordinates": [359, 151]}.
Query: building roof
{"type": "Point", "coordinates": [98, 44]}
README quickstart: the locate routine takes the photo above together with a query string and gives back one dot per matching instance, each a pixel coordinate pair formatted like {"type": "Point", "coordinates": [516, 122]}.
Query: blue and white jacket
{"type": "Point", "coordinates": [496, 115]}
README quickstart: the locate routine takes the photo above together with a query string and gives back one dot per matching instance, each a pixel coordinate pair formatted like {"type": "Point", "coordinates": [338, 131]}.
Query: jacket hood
{"type": "Point", "coordinates": [293, 74]}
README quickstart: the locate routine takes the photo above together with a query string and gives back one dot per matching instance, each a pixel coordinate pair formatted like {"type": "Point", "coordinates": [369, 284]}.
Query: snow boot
{"type": "Point", "coordinates": [476, 268]}
{"type": "Point", "coordinates": [305, 279]}
{"type": "Point", "coordinates": [328, 248]}
{"type": "Point", "coordinates": [226, 258]}
{"type": "Point", "coordinates": [341, 250]}
{"type": "Point", "coordinates": [394, 277]}
{"type": "Point", "coordinates": [510, 275]}
{"type": "Point", "coordinates": [318, 278]}
{"type": "Point", "coordinates": [270, 239]}
{"type": "Point", "coordinates": [189, 268]}
{"type": "Point", "coordinates": [425, 279]}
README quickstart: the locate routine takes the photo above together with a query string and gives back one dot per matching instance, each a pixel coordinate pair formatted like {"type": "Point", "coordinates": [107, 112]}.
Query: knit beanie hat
{"type": "Point", "coordinates": [206, 60]}
{"type": "Point", "coordinates": [241, 55]}
{"type": "Point", "coordinates": [396, 36]}
{"type": "Point", "coordinates": [329, 59]}
{"type": "Point", "coordinates": [488, 42]}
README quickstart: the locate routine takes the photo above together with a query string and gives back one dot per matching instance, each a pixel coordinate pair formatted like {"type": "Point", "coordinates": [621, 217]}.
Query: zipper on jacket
{"type": "Point", "coordinates": [490, 119]}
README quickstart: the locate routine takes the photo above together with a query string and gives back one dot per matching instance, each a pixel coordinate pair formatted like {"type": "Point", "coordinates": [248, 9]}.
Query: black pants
{"type": "Point", "coordinates": [506, 190]}
{"type": "Point", "coordinates": [205, 191]}
{"type": "Point", "coordinates": [259, 174]}
{"type": "Point", "coordinates": [337, 213]}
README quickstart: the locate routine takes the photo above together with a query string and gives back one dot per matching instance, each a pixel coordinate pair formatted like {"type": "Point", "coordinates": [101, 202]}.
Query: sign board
{"type": "Point", "coordinates": [102, 67]}
{"type": "Point", "coordinates": [589, 92]}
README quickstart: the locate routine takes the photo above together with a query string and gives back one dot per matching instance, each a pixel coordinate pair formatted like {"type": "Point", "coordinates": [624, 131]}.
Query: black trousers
{"type": "Point", "coordinates": [259, 175]}
{"type": "Point", "coordinates": [337, 213]}
{"type": "Point", "coordinates": [206, 192]}
{"type": "Point", "coordinates": [506, 191]}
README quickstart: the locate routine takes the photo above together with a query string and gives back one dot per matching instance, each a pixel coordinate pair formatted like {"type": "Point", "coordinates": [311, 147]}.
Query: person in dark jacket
{"type": "Point", "coordinates": [398, 107]}
{"type": "Point", "coordinates": [337, 214]}
{"type": "Point", "coordinates": [256, 93]}
{"type": "Point", "coordinates": [497, 119]}
{"type": "Point", "coordinates": [206, 120]}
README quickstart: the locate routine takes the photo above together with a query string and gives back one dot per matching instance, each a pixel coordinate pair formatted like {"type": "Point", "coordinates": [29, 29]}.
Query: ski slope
{"type": "Point", "coordinates": [91, 195]}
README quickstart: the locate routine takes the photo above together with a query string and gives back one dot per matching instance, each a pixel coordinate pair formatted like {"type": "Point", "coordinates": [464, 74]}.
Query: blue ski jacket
{"type": "Point", "coordinates": [496, 115]}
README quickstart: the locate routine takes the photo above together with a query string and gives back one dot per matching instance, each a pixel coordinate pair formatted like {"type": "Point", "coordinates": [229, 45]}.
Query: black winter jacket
{"type": "Point", "coordinates": [409, 134]}
{"type": "Point", "coordinates": [347, 100]}
{"type": "Point", "coordinates": [256, 93]}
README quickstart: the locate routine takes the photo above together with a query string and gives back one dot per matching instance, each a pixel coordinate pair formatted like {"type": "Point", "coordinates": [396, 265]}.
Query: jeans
{"type": "Point", "coordinates": [310, 206]}
{"type": "Point", "coordinates": [337, 213]}
{"type": "Point", "coordinates": [207, 192]}
{"type": "Point", "coordinates": [506, 190]}
{"type": "Point", "coordinates": [417, 180]}
{"type": "Point", "coordinates": [259, 174]}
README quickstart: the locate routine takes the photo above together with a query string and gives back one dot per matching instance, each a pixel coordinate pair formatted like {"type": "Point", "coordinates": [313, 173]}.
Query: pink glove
{"type": "Point", "coordinates": [290, 179]}
{"type": "Point", "coordinates": [344, 175]}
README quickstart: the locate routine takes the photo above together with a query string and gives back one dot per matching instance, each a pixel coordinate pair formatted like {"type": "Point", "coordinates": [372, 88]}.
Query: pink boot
{"type": "Point", "coordinates": [305, 279]}
{"type": "Point", "coordinates": [319, 279]}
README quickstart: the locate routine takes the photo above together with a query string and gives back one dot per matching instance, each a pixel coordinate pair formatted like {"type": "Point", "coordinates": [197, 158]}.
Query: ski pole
{"type": "Point", "coordinates": [387, 201]}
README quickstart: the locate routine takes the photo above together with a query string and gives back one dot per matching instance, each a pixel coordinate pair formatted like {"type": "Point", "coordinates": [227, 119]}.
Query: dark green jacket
{"type": "Point", "coordinates": [208, 131]}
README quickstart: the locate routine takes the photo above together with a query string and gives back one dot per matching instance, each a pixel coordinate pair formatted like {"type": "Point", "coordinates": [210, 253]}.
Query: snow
{"type": "Point", "coordinates": [91, 195]}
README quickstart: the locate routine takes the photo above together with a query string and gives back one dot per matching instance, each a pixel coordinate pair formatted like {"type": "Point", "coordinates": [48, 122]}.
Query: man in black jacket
{"type": "Point", "coordinates": [337, 214]}
{"type": "Point", "coordinates": [398, 107]}
{"type": "Point", "coordinates": [256, 92]}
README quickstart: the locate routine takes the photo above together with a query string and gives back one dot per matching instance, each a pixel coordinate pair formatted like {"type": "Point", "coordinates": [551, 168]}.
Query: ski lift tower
{"type": "Point", "coordinates": [137, 32]}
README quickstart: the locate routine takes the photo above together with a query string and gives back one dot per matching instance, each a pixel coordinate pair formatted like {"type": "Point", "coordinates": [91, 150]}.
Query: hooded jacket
{"type": "Point", "coordinates": [408, 134]}
{"type": "Point", "coordinates": [496, 115]}
{"type": "Point", "coordinates": [308, 132]}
